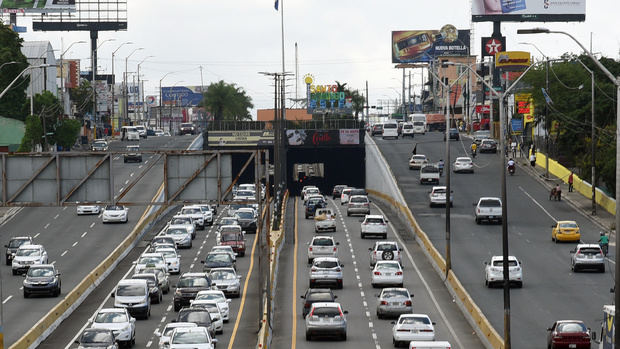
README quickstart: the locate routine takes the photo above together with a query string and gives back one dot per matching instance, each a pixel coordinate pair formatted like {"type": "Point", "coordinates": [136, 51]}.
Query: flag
{"type": "Point", "coordinates": [276, 5]}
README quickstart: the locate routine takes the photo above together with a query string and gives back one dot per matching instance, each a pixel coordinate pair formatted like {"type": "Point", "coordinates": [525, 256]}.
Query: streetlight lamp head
{"type": "Point", "coordinates": [533, 31]}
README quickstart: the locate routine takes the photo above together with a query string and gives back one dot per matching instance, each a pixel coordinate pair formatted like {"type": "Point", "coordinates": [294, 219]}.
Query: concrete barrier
{"type": "Point", "coordinates": [381, 184]}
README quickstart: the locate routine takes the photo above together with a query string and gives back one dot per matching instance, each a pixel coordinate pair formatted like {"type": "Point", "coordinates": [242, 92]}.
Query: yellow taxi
{"type": "Point", "coordinates": [565, 231]}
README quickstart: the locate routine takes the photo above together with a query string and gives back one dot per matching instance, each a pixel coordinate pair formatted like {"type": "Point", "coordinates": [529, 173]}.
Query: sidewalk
{"type": "Point", "coordinates": [603, 219]}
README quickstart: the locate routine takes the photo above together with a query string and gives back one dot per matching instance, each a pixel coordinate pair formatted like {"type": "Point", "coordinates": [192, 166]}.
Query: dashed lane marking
{"type": "Point", "coordinates": [35, 235]}
{"type": "Point", "coordinates": [84, 234]}
{"type": "Point", "coordinates": [74, 244]}
{"type": "Point", "coordinates": [46, 226]}
{"type": "Point", "coordinates": [7, 299]}
{"type": "Point", "coordinates": [64, 253]}
{"type": "Point", "coordinates": [57, 215]}
{"type": "Point", "coordinates": [92, 224]}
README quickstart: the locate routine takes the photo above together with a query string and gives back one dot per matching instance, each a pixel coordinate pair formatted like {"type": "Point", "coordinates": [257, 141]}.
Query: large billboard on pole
{"type": "Point", "coordinates": [184, 96]}
{"type": "Point", "coordinates": [414, 46]}
{"type": "Point", "coordinates": [37, 6]}
{"type": "Point", "coordinates": [528, 10]}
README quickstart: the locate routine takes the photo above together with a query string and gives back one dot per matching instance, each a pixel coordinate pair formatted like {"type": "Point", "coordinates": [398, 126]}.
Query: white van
{"type": "Point", "coordinates": [390, 129]}
{"type": "Point", "coordinates": [133, 294]}
{"type": "Point", "coordinates": [131, 133]}
{"type": "Point", "coordinates": [141, 130]}
{"type": "Point", "coordinates": [429, 345]}
{"type": "Point", "coordinates": [419, 123]}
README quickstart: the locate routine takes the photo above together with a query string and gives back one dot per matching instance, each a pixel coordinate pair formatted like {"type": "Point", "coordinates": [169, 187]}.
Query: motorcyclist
{"type": "Point", "coordinates": [511, 163]}
{"type": "Point", "coordinates": [603, 241]}
{"type": "Point", "coordinates": [440, 164]}
{"type": "Point", "coordinates": [474, 146]}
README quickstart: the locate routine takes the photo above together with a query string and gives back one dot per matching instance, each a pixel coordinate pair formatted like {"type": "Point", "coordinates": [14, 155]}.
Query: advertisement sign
{"type": "Point", "coordinates": [528, 10]}
{"type": "Point", "coordinates": [517, 126]}
{"type": "Point", "coordinates": [491, 46]}
{"type": "Point", "coordinates": [413, 46]}
{"type": "Point", "coordinates": [151, 101]}
{"type": "Point", "coordinates": [37, 6]}
{"type": "Point", "coordinates": [512, 60]}
{"type": "Point", "coordinates": [524, 105]}
{"type": "Point", "coordinates": [240, 138]}
{"type": "Point", "coordinates": [349, 136]}
{"type": "Point", "coordinates": [483, 109]}
{"type": "Point", "coordinates": [317, 138]}
{"type": "Point", "coordinates": [326, 98]}
{"type": "Point", "coordinates": [184, 96]}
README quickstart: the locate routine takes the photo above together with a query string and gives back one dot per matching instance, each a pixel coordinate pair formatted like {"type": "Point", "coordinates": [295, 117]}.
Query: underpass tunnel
{"type": "Point", "coordinates": [339, 165]}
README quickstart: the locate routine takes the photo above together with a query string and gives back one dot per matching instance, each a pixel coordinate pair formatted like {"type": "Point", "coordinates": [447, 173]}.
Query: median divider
{"type": "Point", "coordinates": [384, 188]}
{"type": "Point", "coordinates": [277, 237]}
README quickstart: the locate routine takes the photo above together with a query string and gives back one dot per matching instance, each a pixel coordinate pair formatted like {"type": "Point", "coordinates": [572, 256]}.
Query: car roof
{"type": "Point", "coordinates": [20, 238]}
{"type": "Point", "coordinates": [374, 216]}
{"type": "Point", "coordinates": [567, 222]}
{"type": "Point", "coordinates": [181, 324]}
{"type": "Point", "coordinates": [177, 226]}
{"type": "Point", "coordinates": [377, 243]}
{"type": "Point", "coordinates": [194, 274]}
{"type": "Point", "coordinates": [387, 262]}
{"type": "Point", "coordinates": [463, 158]}
{"type": "Point", "coordinates": [489, 198]}
{"type": "Point", "coordinates": [132, 282]}
{"type": "Point", "coordinates": [359, 196]}
{"type": "Point", "coordinates": [326, 304]}
{"type": "Point", "coordinates": [31, 247]}
{"type": "Point", "coordinates": [394, 289]}
{"type": "Point", "coordinates": [112, 310]}
{"type": "Point", "coordinates": [211, 292]}
{"type": "Point", "coordinates": [320, 237]}
{"type": "Point", "coordinates": [414, 315]}
{"type": "Point", "coordinates": [41, 266]}
{"type": "Point", "coordinates": [588, 246]}
{"type": "Point", "coordinates": [499, 258]}
{"type": "Point", "coordinates": [329, 259]}
{"type": "Point", "coordinates": [440, 187]}
{"type": "Point", "coordinates": [151, 254]}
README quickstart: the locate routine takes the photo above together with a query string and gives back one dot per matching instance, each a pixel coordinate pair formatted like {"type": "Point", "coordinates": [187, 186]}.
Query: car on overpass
{"type": "Point", "coordinates": [133, 154]}
{"type": "Point", "coordinates": [42, 279]}
{"type": "Point", "coordinates": [187, 128]}
{"type": "Point", "coordinates": [88, 209]}
{"type": "Point", "coordinates": [115, 213]}
{"type": "Point", "coordinates": [99, 145]}
{"type": "Point", "coordinates": [12, 246]}
{"type": "Point", "coordinates": [494, 271]}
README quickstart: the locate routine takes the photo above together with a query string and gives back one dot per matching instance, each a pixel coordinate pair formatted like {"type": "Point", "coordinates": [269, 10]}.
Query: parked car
{"type": "Point", "coordinates": [394, 301]}
{"type": "Point", "coordinates": [587, 256]}
{"type": "Point", "coordinates": [373, 225]}
{"type": "Point", "coordinates": [326, 270]}
{"type": "Point", "coordinates": [569, 334]}
{"type": "Point", "coordinates": [494, 271]}
{"type": "Point", "coordinates": [326, 319]}
{"type": "Point", "coordinates": [412, 327]}
{"type": "Point", "coordinates": [489, 209]}
{"type": "Point", "coordinates": [42, 279]}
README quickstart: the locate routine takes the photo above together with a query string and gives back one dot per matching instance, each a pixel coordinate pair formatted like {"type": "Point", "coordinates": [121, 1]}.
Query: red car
{"type": "Point", "coordinates": [568, 334]}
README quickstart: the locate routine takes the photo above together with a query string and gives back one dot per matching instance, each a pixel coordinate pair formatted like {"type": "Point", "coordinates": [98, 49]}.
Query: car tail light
{"type": "Point", "coordinates": [313, 269]}
{"type": "Point", "coordinates": [399, 273]}
{"type": "Point", "coordinates": [375, 253]}
{"type": "Point", "coordinates": [426, 330]}
{"type": "Point", "coordinates": [401, 330]}
{"type": "Point", "coordinates": [335, 249]}
{"type": "Point", "coordinates": [408, 303]}
{"type": "Point", "coordinates": [365, 223]}
{"type": "Point", "coordinates": [384, 303]}
{"type": "Point", "coordinates": [307, 305]}
{"type": "Point", "coordinates": [341, 314]}
{"type": "Point", "coordinates": [377, 273]}
{"type": "Point", "coordinates": [310, 248]}
{"type": "Point", "coordinates": [338, 269]}
{"type": "Point", "coordinates": [365, 204]}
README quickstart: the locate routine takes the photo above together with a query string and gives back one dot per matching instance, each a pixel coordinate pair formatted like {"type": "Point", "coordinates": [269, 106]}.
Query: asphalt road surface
{"type": "Point", "coordinates": [551, 291]}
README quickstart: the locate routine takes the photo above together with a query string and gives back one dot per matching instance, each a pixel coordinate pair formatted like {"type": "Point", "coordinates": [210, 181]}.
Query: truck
{"type": "Point", "coordinates": [608, 328]}
{"type": "Point", "coordinates": [435, 122]}
{"type": "Point", "coordinates": [419, 123]}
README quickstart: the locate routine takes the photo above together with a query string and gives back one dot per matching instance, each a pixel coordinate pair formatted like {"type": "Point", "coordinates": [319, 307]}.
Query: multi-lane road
{"type": "Point", "coordinates": [551, 291]}
{"type": "Point", "coordinates": [75, 244]}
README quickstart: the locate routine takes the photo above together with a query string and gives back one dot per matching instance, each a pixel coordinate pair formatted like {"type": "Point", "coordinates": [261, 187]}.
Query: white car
{"type": "Point", "coordinates": [494, 271]}
{"type": "Point", "coordinates": [207, 213]}
{"type": "Point", "coordinates": [141, 131]}
{"type": "Point", "coordinates": [216, 296]}
{"type": "Point", "coordinates": [226, 249]}
{"type": "Point", "coordinates": [437, 196]}
{"type": "Point", "coordinates": [309, 192]}
{"type": "Point", "coordinates": [463, 164]}
{"type": "Point", "coordinates": [226, 280]}
{"type": "Point", "coordinates": [186, 221]}
{"type": "Point", "coordinates": [385, 251]}
{"type": "Point", "coordinates": [490, 209]}
{"type": "Point", "coordinates": [417, 161]}
{"type": "Point", "coordinates": [413, 327]}
{"type": "Point", "coordinates": [195, 212]}
{"type": "Point", "coordinates": [173, 260]}
{"type": "Point", "coordinates": [244, 195]}
{"type": "Point", "coordinates": [114, 213]}
{"type": "Point", "coordinates": [407, 130]}
{"type": "Point", "coordinates": [373, 225]}
{"type": "Point", "coordinates": [344, 195]}
{"type": "Point", "coordinates": [119, 322]}
{"type": "Point", "coordinates": [164, 335]}
{"type": "Point", "coordinates": [88, 209]}
{"type": "Point", "coordinates": [154, 260]}
{"type": "Point", "coordinates": [306, 188]}
{"type": "Point", "coordinates": [159, 133]}
{"type": "Point", "coordinates": [322, 246]}
{"type": "Point", "coordinates": [181, 235]}
{"type": "Point", "coordinates": [324, 220]}
{"type": "Point", "coordinates": [214, 310]}
{"type": "Point", "coordinates": [191, 337]}
{"type": "Point", "coordinates": [387, 273]}
{"type": "Point", "coordinates": [26, 256]}
{"type": "Point", "coordinates": [131, 133]}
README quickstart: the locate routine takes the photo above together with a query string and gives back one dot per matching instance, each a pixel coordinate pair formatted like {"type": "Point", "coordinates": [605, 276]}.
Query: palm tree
{"type": "Point", "coordinates": [227, 102]}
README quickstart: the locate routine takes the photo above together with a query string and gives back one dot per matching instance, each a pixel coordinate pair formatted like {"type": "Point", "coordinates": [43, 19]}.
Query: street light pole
{"type": "Point", "coordinates": [114, 77]}
{"type": "Point", "coordinates": [161, 112]}
{"type": "Point", "coordinates": [125, 92]}
{"type": "Point", "coordinates": [62, 75]}
{"type": "Point", "coordinates": [140, 99]}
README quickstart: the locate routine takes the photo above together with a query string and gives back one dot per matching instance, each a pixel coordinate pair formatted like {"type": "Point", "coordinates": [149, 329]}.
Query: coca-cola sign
{"type": "Point", "coordinates": [321, 138]}
{"type": "Point", "coordinates": [317, 138]}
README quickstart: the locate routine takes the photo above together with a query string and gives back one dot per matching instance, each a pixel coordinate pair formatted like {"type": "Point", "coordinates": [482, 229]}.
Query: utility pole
{"type": "Point", "coordinates": [367, 106]}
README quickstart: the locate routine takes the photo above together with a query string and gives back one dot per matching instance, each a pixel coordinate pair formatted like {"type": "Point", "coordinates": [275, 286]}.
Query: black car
{"type": "Point", "coordinates": [488, 146]}
{"type": "Point", "coordinates": [13, 245]}
{"type": "Point", "coordinates": [97, 338]}
{"type": "Point", "coordinates": [188, 286]}
{"type": "Point", "coordinates": [200, 317]}
{"type": "Point", "coordinates": [42, 279]}
{"type": "Point", "coordinates": [357, 191]}
{"type": "Point", "coordinates": [337, 191]}
{"type": "Point", "coordinates": [312, 205]}
{"type": "Point", "coordinates": [454, 134]}
{"type": "Point", "coordinates": [218, 260]}
{"type": "Point", "coordinates": [150, 132]}
{"type": "Point", "coordinates": [316, 295]}
{"type": "Point", "coordinates": [247, 221]}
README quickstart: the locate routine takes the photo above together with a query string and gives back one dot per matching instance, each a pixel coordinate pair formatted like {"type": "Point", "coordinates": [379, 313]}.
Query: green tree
{"type": "Point", "coordinates": [82, 97]}
{"type": "Point", "coordinates": [67, 133]}
{"type": "Point", "coordinates": [10, 51]}
{"type": "Point", "coordinates": [47, 107]}
{"type": "Point", "coordinates": [33, 134]}
{"type": "Point", "coordinates": [358, 101]}
{"type": "Point", "coordinates": [227, 102]}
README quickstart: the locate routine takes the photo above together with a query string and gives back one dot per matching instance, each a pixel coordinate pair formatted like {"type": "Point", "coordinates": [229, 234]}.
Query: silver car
{"type": "Point", "coordinates": [326, 270]}
{"type": "Point", "coordinates": [358, 204]}
{"type": "Point", "coordinates": [394, 301]}
{"type": "Point", "coordinates": [587, 256]}
{"type": "Point", "coordinates": [326, 319]}
{"type": "Point", "coordinates": [226, 280]}
{"type": "Point", "coordinates": [322, 246]}
{"type": "Point", "coordinates": [180, 234]}
{"type": "Point", "coordinates": [463, 164]}
{"type": "Point", "coordinates": [437, 196]}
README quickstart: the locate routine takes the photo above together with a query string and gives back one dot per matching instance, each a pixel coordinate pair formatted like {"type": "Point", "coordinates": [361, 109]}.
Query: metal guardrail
{"type": "Point", "coordinates": [327, 124]}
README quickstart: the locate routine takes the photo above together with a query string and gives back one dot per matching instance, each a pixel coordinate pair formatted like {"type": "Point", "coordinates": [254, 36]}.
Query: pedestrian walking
{"type": "Point", "coordinates": [570, 182]}
{"type": "Point", "coordinates": [533, 159]}
{"type": "Point", "coordinates": [415, 149]}
{"type": "Point", "coordinates": [513, 147]}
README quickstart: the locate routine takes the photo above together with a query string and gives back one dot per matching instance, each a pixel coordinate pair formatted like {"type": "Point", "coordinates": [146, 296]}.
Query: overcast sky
{"type": "Point", "coordinates": [344, 40]}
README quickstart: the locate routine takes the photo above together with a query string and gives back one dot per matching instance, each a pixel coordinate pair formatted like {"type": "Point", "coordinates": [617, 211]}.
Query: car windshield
{"type": "Point", "coordinates": [218, 258]}
{"type": "Point", "coordinates": [193, 282]}
{"type": "Point", "coordinates": [490, 203]}
{"type": "Point", "coordinates": [28, 252]}
{"type": "Point", "coordinates": [228, 221]}
{"type": "Point", "coordinates": [176, 231]}
{"type": "Point", "coordinates": [222, 275]}
{"type": "Point", "coordinates": [394, 293]}
{"type": "Point", "coordinates": [374, 220]}
{"type": "Point", "coordinates": [113, 208]}
{"type": "Point", "coordinates": [570, 225]}
{"type": "Point", "coordinates": [168, 254]}
{"type": "Point", "coordinates": [97, 337]}
{"type": "Point", "coordinates": [245, 215]}
{"type": "Point", "coordinates": [359, 199]}
{"type": "Point", "coordinates": [414, 320]}
{"type": "Point", "coordinates": [40, 272]}
{"type": "Point", "coordinates": [230, 237]}
{"type": "Point", "coordinates": [190, 338]}
{"type": "Point", "coordinates": [326, 312]}
{"type": "Point", "coordinates": [322, 242]}
{"type": "Point", "coordinates": [245, 193]}
{"type": "Point", "coordinates": [111, 318]}
{"type": "Point", "coordinates": [197, 316]}
{"type": "Point", "coordinates": [181, 221]}
{"type": "Point", "coordinates": [150, 260]}
{"type": "Point", "coordinates": [387, 265]}
{"type": "Point", "coordinates": [418, 157]}
{"type": "Point", "coordinates": [590, 250]}
{"type": "Point", "coordinates": [386, 247]}
{"type": "Point", "coordinates": [17, 242]}
{"type": "Point", "coordinates": [130, 290]}
{"type": "Point", "coordinates": [571, 327]}
{"type": "Point", "coordinates": [320, 297]}
{"type": "Point", "coordinates": [211, 297]}
{"type": "Point", "coordinates": [499, 263]}
{"type": "Point", "coordinates": [191, 210]}
{"type": "Point", "coordinates": [326, 264]}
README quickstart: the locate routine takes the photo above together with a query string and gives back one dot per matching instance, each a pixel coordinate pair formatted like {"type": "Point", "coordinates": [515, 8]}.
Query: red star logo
{"type": "Point", "coordinates": [493, 46]}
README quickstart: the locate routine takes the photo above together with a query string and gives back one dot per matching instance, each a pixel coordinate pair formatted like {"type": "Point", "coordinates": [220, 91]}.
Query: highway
{"type": "Point", "coordinates": [551, 291]}
{"type": "Point", "coordinates": [75, 244]}
{"type": "Point", "coordinates": [365, 330]}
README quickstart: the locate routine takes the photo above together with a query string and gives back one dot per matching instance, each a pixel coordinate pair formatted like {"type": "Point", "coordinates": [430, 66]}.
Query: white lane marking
{"type": "Point", "coordinates": [131, 174]}
{"type": "Point", "coordinates": [428, 289]}
{"type": "Point", "coordinates": [64, 208]}
{"type": "Point", "coordinates": [127, 181]}
{"type": "Point", "coordinates": [191, 266]}
{"type": "Point", "coordinates": [149, 343]}
{"type": "Point", "coordinates": [371, 325]}
{"type": "Point", "coordinates": [362, 293]}
{"type": "Point", "coordinates": [140, 166]}
{"type": "Point", "coordinates": [21, 288]}
{"type": "Point", "coordinates": [121, 190]}
{"type": "Point", "coordinates": [365, 304]}
{"type": "Point", "coordinates": [7, 299]}
{"type": "Point", "coordinates": [367, 314]}
{"type": "Point", "coordinates": [84, 234]}
{"type": "Point", "coordinates": [54, 262]}
{"type": "Point", "coordinates": [35, 235]}
{"type": "Point", "coordinates": [57, 215]}
{"type": "Point", "coordinates": [92, 224]}
{"type": "Point", "coordinates": [64, 253]}
{"type": "Point", "coordinates": [115, 158]}
{"type": "Point", "coordinates": [74, 244]}
{"type": "Point", "coordinates": [146, 162]}
{"type": "Point", "coordinates": [163, 319]}
{"type": "Point", "coordinates": [46, 226]}
{"type": "Point", "coordinates": [169, 307]}
{"type": "Point", "coordinates": [537, 204]}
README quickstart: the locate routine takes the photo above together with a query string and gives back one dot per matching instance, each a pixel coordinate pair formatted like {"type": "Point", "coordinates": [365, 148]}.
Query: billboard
{"type": "Point", "coordinates": [184, 96]}
{"type": "Point", "coordinates": [524, 105]}
{"type": "Point", "coordinates": [414, 46]}
{"type": "Point", "coordinates": [37, 6]}
{"type": "Point", "coordinates": [240, 138]}
{"type": "Point", "coordinates": [528, 10]}
{"type": "Point", "coordinates": [316, 138]}
{"type": "Point", "coordinates": [512, 60]}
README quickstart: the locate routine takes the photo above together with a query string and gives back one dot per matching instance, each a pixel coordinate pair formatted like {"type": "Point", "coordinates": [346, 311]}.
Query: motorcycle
{"type": "Point", "coordinates": [511, 169]}
{"type": "Point", "coordinates": [604, 247]}
{"type": "Point", "coordinates": [473, 153]}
